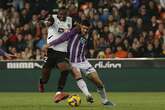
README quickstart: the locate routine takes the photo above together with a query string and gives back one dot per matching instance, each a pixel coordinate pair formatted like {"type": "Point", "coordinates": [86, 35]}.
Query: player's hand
{"type": "Point", "coordinates": [10, 56]}
{"type": "Point", "coordinates": [46, 46]}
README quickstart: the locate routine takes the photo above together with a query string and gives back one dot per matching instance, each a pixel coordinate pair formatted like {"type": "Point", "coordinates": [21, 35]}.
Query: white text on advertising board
{"type": "Point", "coordinates": [23, 65]}
{"type": "Point", "coordinates": [107, 64]}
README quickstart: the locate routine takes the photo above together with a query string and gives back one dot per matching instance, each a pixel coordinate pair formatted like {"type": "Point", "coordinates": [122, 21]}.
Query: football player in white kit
{"type": "Point", "coordinates": [57, 55]}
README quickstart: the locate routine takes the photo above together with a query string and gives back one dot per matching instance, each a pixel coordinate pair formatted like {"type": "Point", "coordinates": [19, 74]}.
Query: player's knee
{"type": "Point", "coordinates": [63, 67]}
{"type": "Point", "coordinates": [76, 73]}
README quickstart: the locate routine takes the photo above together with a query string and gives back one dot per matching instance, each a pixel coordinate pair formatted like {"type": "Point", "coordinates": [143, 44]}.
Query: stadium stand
{"type": "Point", "coordinates": [119, 28]}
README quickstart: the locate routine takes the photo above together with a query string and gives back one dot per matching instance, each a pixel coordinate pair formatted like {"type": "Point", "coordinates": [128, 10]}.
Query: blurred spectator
{"type": "Point", "coordinates": [119, 28]}
{"type": "Point", "coordinates": [163, 36]}
{"type": "Point", "coordinates": [120, 53]}
{"type": "Point", "coordinates": [153, 24]}
{"type": "Point", "coordinates": [101, 44]}
{"type": "Point", "coordinates": [108, 53]}
{"type": "Point", "coordinates": [159, 31]}
{"type": "Point", "coordinates": [157, 47]}
{"type": "Point", "coordinates": [20, 43]}
{"type": "Point", "coordinates": [149, 52]}
{"type": "Point", "coordinates": [162, 54]}
{"type": "Point", "coordinates": [101, 55]}
{"type": "Point", "coordinates": [18, 4]}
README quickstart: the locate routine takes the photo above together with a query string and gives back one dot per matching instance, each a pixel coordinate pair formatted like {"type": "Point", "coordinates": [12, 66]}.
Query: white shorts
{"type": "Point", "coordinates": [85, 67]}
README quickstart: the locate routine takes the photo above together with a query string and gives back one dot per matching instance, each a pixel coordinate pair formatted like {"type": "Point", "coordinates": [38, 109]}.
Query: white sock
{"type": "Point", "coordinates": [103, 95]}
{"type": "Point", "coordinates": [83, 87]}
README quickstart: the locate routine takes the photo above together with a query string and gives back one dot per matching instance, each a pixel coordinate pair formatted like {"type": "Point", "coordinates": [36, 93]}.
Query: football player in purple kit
{"type": "Point", "coordinates": [77, 40]}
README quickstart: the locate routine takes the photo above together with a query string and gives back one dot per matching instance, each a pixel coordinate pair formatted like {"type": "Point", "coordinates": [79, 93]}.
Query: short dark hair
{"type": "Point", "coordinates": [85, 22]}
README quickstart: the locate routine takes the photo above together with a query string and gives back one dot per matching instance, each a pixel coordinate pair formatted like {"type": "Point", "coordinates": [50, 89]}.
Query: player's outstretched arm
{"type": "Point", "coordinates": [10, 56]}
{"type": "Point", "coordinates": [65, 37]}
{"type": "Point", "coordinates": [7, 55]}
{"type": "Point", "coordinates": [2, 52]}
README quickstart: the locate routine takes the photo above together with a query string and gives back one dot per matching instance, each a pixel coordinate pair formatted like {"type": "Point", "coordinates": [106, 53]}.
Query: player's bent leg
{"type": "Point", "coordinates": [64, 69]}
{"type": "Point", "coordinates": [60, 95]}
{"type": "Point", "coordinates": [44, 77]}
{"type": "Point", "coordinates": [76, 73]}
{"type": "Point", "coordinates": [81, 84]}
{"type": "Point", "coordinates": [45, 74]}
{"type": "Point", "coordinates": [95, 79]}
{"type": "Point", "coordinates": [63, 66]}
{"type": "Point", "coordinates": [100, 88]}
{"type": "Point", "coordinates": [62, 80]}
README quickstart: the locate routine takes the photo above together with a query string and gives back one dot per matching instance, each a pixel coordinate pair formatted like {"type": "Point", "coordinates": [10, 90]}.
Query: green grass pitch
{"type": "Point", "coordinates": [123, 100]}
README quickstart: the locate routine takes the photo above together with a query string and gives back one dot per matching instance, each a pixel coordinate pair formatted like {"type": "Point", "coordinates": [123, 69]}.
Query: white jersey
{"type": "Point", "coordinates": [56, 30]}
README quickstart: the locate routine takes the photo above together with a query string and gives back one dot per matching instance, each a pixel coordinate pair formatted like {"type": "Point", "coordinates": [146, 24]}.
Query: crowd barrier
{"type": "Point", "coordinates": [132, 74]}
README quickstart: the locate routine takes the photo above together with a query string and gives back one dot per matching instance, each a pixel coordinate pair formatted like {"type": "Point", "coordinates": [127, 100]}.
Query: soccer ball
{"type": "Point", "coordinates": [74, 101]}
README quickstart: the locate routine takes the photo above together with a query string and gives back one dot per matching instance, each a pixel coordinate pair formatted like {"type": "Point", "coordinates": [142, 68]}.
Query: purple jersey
{"type": "Point", "coordinates": [76, 45]}
{"type": "Point", "coordinates": [2, 52]}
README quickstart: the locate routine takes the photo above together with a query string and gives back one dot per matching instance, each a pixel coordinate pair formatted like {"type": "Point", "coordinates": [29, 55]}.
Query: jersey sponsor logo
{"type": "Point", "coordinates": [107, 64]}
{"type": "Point", "coordinates": [23, 65]}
